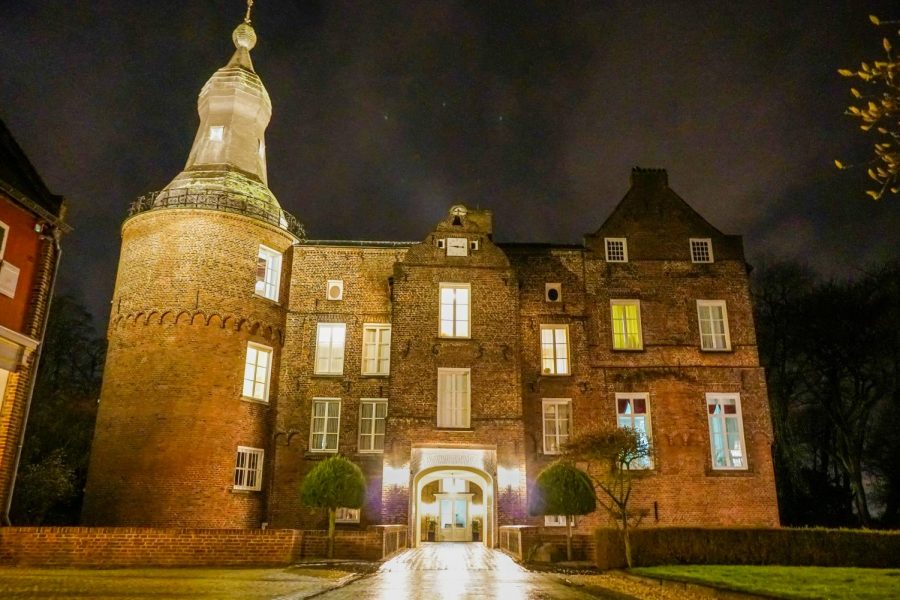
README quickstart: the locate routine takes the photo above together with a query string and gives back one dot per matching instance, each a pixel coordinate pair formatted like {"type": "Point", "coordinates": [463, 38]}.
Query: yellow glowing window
{"type": "Point", "coordinates": [376, 358]}
{"type": "Point", "coordinates": [626, 324]}
{"type": "Point", "coordinates": [554, 349]}
{"type": "Point", "coordinates": [257, 372]}
{"type": "Point", "coordinates": [330, 348]}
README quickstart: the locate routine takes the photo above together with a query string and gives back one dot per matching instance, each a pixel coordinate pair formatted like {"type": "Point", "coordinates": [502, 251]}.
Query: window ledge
{"type": "Point", "coordinates": [327, 375]}
{"type": "Point", "coordinates": [748, 472]}
{"type": "Point", "coordinates": [243, 491]}
{"type": "Point", "coordinates": [454, 338]}
{"type": "Point", "coordinates": [376, 375]}
{"type": "Point", "coordinates": [461, 429]}
{"type": "Point", "coordinates": [641, 349]}
{"type": "Point", "coordinates": [267, 299]}
{"type": "Point", "coordinates": [715, 350]}
{"type": "Point", "coordinates": [255, 400]}
{"type": "Point", "coordinates": [555, 374]}
{"type": "Point", "coordinates": [369, 453]}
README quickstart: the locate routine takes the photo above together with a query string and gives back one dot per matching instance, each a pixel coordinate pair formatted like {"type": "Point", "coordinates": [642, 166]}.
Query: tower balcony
{"type": "Point", "coordinates": [218, 200]}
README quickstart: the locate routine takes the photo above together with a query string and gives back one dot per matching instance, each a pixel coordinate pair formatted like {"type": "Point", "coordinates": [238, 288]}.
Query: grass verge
{"type": "Point", "coordinates": [800, 583]}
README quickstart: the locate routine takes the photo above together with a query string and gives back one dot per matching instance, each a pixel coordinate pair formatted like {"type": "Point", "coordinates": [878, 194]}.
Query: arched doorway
{"type": "Point", "coordinates": [453, 504]}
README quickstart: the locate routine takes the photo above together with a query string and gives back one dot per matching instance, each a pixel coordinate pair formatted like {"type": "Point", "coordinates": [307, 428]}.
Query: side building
{"type": "Point", "coordinates": [31, 225]}
{"type": "Point", "coordinates": [451, 369]}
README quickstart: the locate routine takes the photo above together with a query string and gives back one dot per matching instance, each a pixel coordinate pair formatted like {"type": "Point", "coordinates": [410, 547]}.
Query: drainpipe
{"type": "Point", "coordinates": [37, 363]}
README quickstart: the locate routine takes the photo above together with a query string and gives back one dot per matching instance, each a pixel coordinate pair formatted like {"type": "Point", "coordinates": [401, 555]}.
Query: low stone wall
{"type": "Point", "coordinates": [138, 546]}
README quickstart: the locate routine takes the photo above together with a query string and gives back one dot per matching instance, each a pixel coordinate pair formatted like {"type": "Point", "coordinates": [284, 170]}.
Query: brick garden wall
{"type": "Point", "coordinates": [137, 546]}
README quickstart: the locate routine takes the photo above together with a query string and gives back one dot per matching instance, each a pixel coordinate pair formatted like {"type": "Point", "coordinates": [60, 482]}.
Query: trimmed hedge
{"type": "Point", "coordinates": [751, 546]}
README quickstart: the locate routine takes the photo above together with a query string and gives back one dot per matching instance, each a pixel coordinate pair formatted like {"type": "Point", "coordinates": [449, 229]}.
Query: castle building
{"type": "Point", "coordinates": [32, 221]}
{"type": "Point", "coordinates": [451, 369]}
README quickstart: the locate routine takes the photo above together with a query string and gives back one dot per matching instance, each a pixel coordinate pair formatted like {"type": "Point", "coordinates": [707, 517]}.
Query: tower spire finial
{"type": "Point", "coordinates": [249, 8]}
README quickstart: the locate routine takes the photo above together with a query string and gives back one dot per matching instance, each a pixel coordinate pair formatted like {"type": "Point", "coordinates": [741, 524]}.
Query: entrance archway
{"type": "Point", "coordinates": [453, 503]}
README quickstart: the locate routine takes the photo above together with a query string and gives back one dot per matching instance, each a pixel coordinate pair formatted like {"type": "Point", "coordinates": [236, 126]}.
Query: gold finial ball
{"type": "Point", "coordinates": [244, 36]}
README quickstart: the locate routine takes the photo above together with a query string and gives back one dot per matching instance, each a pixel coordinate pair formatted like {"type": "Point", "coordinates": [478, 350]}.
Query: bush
{"type": "Point", "coordinates": [751, 546]}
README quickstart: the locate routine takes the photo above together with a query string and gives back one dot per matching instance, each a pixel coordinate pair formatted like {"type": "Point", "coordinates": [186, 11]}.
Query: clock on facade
{"type": "Point", "coordinates": [457, 247]}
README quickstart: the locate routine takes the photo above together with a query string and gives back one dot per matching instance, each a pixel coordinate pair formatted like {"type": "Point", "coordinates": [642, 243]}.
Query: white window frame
{"type": "Point", "coordinates": [270, 284]}
{"type": "Point", "coordinates": [253, 378]}
{"type": "Point", "coordinates": [453, 308]}
{"type": "Point", "coordinates": [608, 242]}
{"type": "Point", "coordinates": [725, 335]}
{"type": "Point", "coordinates": [701, 242]}
{"type": "Point", "coordinates": [368, 429]}
{"type": "Point", "coordinates": [328, 353]}
{"type": "Point", "coordinates": [722, 418]}
{"type": "Point", "coordinates": [640, 327]}
{"type": "Point", "coordinates": [445, 403]}
{"type": "Point", "coordinates": [216, 133]}
{"type": "Point", "coordinates": [244, 472]}
{"type": "Point", "coordinates": [380, 346]}
{"type": "Point", "coordinates": [4, 380]}
{"type": "Point", "coordinates": [648, 432]}
{"type": "Point", "coordinates": [5, 228]}
{"type": "Point", "coordinates": [346, 515]}
{"type": "Point", "coordinates": [314, 431]}
{"type": "Point", "coordinates": [558, 351]}
{"type": "Point", "coordinates": [556, 521]}
{"type": "Point", "coordinates": [560, 438]}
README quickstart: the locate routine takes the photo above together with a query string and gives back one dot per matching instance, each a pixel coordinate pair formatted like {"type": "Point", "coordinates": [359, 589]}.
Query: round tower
{"type": "Point", "coordinates": [183, 427]}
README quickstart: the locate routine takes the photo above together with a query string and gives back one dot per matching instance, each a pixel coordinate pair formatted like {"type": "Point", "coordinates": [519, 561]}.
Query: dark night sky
{"type": "Point", "coordinates": [385, 114]}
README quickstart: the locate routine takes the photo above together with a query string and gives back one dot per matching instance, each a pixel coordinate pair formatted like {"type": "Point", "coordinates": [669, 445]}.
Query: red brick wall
{"type": "Point", "coordinates": [136, 546]}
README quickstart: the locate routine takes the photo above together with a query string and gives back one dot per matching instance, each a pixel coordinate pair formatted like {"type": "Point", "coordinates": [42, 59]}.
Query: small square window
{"type": "Point", "coordinates": [441, 243]}
{"type": "Point", "coordinates": [473, 245]}
{"type": "Point", "coordinates": [701, 250]}
{"type": "Point", "coordinates": [555, 521]}
{"type": "Point", "coordinates": [616, 250]}
{"type": "Point", "coordinates": [248, 466]}
{"type": "Point", "coordinates": [334, 289]}
{"type": "Point", "coordinates": [346, 515]}
{"type": "Point", "coordinates": [216, 133]}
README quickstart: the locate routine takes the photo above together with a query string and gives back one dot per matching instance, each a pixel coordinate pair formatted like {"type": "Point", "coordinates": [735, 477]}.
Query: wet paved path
{"type": "Point", "coordinates": [448, 570]}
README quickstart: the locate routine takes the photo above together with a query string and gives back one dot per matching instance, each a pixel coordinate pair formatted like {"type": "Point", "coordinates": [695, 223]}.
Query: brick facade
{"type": "Point", "coordinates": [171, 413]}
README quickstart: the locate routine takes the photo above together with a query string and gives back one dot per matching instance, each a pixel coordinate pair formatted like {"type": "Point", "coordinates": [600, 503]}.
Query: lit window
{"type": "Point", "coordinates": [4, 377]}
{"type": "Point", "coordinates": [376, 358]}
{"type": "Point", "coordinates": [326, 419]}
{"type": "Point", "coordinates": [626, 324]}
{"type": "Point", "coordinates": [555, 349]}
{"type": "Point", "coordinates": [330, 348]}
{"type": "Point", "coordinates": [268, 273]}
{"type": "Point", "coordinates": [248, 466]}
{"type": "Point", "coordinates": [257, 372]}
{"type": "Point", "coordinates": [633, 411]}
{"type": "Point", "coordinates": [216, 133]}
{"type": "Point", "coordinates": [455, 308]}
{"type": "Point", "coordinates": [713, 319]}
{"type": "Point", "coordinates": [557, 424]}
{"type": "Point", "coordinates": [616, 249]}
{"type": "Point", "coordinates": [726, 432]}
{"type": "Point", "coordinates": [701, 250]}
{"type": "Point", "coordinates": [372, 415]}
{"type": "Point", "coordinates": [555, 521]}
{"type": "Point", "coordinates": [453, 398]}
{"type": "Point", "coordinates": [346, 515]}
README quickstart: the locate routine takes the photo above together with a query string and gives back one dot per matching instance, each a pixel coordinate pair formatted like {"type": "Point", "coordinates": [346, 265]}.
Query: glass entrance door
{"type": "Point", "coordinates": [453, 523]}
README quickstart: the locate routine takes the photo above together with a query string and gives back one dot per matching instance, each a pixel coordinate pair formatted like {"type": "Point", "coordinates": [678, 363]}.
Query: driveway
{"type": "Point", "coordinates": [450, 570]}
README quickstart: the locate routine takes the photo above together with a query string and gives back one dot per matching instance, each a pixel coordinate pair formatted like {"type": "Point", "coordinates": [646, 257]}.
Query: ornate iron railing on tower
{"type": "Point", "coordinates": [230, 201]}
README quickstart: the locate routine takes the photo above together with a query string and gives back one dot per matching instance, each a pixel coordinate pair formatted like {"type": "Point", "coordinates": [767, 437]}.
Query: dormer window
{"type": "Point", "coordinates": [701, 250]}
{"type": "Point", "coordinates": [616, 249]}
{"type": "Point", "coordinates": [217, 133]}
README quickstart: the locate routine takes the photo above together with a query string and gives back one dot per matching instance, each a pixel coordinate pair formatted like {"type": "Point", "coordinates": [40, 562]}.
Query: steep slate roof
{"type": "Point", "coordinates": [19, 179]}
{"type": "Point", "coordinates": [658, 223]}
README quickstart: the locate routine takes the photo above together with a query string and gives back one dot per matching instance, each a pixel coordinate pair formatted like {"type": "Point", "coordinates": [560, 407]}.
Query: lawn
{"type": "Point", "coordinates": [134, 584]}
{"type": "Point", "coordinates": [788, 582]}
